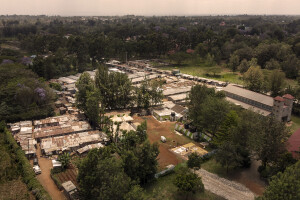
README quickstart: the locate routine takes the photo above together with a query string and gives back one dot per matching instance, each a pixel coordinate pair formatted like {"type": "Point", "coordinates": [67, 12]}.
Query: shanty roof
{"type": "Point", "coordinates": [68, 186]}
{"type": "Point", "coordinates": [288, 96]}
{"type": "Point", "coordinates": [172, 91]}
{"type": "Point", "coordinates": [248, 106]}
{"type": "Point", "coordinates": [89, 147]}
{"type": "Point", "coordinates": [261, 98]}
{"type": "Point", "coordinates": [178, 97]}
{"type": "Point", "coordinates": [278, 98]}
{"type": "Point", "coordinates": [294, 144]}
{"type": "Point", "coordinates": [127, 118]}
{"type": "Point", "coordinates": [115, 118]}
{"type": "Point", "coordinates": [163, 112]}
{"type": "Point", "coordinates": [178, 109]}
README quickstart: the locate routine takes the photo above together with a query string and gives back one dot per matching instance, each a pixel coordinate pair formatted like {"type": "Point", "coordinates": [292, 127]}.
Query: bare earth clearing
{"type": "Point", "coordinates": [155, 130]}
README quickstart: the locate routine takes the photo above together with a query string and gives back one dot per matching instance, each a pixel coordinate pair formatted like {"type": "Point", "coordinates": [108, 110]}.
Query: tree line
{"type": "Point", "coordinates": [112, 90]}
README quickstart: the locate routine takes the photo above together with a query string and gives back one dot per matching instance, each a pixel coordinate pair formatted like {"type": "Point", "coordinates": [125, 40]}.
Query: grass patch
{"type": "Point", "coordinates": [163, 188]}
{"type": "Point", "coordinates": [212, 166]}
{"type": "Point", "coordinates": [201, 71]}
{"type": "Point", "coordinates": [296, 123]}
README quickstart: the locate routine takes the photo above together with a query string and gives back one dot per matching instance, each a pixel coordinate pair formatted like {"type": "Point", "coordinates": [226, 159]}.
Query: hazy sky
{"type": "Point", "coordinates": [149, 7]}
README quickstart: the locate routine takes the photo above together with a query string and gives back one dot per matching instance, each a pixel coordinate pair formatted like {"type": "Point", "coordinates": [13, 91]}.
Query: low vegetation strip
{"type": "Point", "coordinates": [25, 168]}
{"type": "Point", "coordinates": [224, 188]}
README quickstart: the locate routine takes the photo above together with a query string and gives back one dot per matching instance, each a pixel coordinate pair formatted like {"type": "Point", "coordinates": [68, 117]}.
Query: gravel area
{"type": "Point", "coordinates": [225, 188]}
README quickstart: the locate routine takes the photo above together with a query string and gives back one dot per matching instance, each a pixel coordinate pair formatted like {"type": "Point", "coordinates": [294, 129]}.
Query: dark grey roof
{"type": "Point", "coordinates": [178, 109]}
{"type": "Point", "coordinates": [261, 98]}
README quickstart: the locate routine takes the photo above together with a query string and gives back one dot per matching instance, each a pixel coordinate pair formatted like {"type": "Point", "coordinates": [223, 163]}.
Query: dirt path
{"type": "Point", "coordinates": [225, 188]}
{"type": "Point", "coordinates": [45, 179]}
{"type": "Point", "coordinates": [250, 178]}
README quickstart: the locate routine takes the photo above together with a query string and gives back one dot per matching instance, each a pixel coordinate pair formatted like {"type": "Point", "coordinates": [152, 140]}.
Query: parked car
{"type": "Point", "coordinates": [35, 161]}
{"type": "Point", "coordinates": [37, 170]}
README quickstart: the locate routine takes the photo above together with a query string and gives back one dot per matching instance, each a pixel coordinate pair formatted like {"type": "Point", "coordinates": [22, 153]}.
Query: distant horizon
{"type": "Point", "coordinates": [202, 15]}
{"type": "Point", "coordinates": [68, 8]}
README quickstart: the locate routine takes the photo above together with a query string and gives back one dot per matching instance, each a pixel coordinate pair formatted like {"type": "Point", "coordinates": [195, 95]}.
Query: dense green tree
{"type": "Point", "coordinates": [140, 162]}
{"type": "Point", "coordinates": [284, 185]}
{"type": "Point", "coordinates": [234, 62]}
{"type": "Point", "coordinates": [194, 161]}
{"type": "Point", "coordinates": [64, 159]}
{"type": "Point", "coordinates": [93, 108]}
{"type": "Point", "coordinates": [291, 66]}
{"type": "Point", "coordinates": [179, 57]}
{"type": "Point", "coordinates": [136, 193]}
{"type": "Point", "coordinates": [272, 64]}
{"type": "Point", "coordinates": [84, 85]}
{"type": "Point", "coordinates": [225, 132]}
{"type": "Point", "coordinates": [276, 82]}
{"type": "Point", "coordinates": [188, 182]}
{"type": "Point", "coordinates": [23, 95]}
{"type": "Point", "coordinates": [244, 66]}
{"type": "Point", "coordinates": [268, 141]}
{"type": "Point", "coordinates": [115, 87]}
{"type": "Point", "coordinates": [213, 107]}
{"type": "Point", "coordinates": [228, 156]}
{"type": "Point", "coordinates": [254, 79]}
{"type": "Point", "coordinates": [101, 176]}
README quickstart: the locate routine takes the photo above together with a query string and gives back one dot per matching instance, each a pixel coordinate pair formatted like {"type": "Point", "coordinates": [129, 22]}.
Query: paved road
{"type": "Point", "coordinates": [222, 187]}
{"type": "Point", "coordinates": [45, 179]}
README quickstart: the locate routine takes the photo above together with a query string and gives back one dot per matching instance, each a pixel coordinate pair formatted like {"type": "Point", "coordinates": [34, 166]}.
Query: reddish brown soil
{"type": "Point", "coordinates": [250, 178]}
{"type": "Point", "coordinates": [46, 180]}
{"type": "Point", "coordinates": [155, 130]}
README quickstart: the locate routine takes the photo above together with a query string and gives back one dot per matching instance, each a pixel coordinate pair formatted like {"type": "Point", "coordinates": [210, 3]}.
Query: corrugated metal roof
{"type": "Point", "coordinates": [261, 98]}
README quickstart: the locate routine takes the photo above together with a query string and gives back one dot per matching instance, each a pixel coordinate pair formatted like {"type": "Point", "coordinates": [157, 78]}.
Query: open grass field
{"type": "Point", "coordinates": [164, 189]}
{"type": "Point", "coordinates": [200, 69]}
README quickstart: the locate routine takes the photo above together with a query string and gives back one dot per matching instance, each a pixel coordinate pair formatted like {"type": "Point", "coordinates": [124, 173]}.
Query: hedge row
{"type": "Point", "coordinates": [25, 168]}
{"type": "Point", "coordinates": [55, 179]}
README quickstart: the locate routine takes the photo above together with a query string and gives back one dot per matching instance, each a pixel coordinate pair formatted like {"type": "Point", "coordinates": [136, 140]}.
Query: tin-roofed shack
{"type": "Point", "coordinates": [22, 132]}
{"type": "Point", "coordinates": [72, 142]}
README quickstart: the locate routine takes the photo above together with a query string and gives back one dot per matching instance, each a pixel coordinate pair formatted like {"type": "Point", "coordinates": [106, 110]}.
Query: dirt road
{"type": "Point", "coordinates": [225, 188]}
{"type": "Point", "coordinates": [45, 179]}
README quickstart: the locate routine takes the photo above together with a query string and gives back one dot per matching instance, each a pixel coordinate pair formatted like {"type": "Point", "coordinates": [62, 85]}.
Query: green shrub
{"type": "Point", "coordinates": [28, 175]}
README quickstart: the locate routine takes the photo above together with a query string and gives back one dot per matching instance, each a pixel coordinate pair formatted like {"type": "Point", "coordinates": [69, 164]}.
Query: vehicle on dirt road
{"type": "Point", "coordinates": [37, 170]}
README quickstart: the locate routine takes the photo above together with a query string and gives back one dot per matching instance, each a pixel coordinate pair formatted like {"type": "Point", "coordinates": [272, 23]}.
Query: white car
{"type": "Point", "coordinates": [37, 169]}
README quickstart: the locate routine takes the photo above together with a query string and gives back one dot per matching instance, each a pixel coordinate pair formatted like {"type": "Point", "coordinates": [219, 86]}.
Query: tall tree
{"type": "Point", "coordinates": [194, 161]}
{"type": "Point", "coordinates": [93, 109]}
{"type": "Point", "coordinates": [101, 176]}
{"type": "Point", "coordinates": [188, 182]}
{"type": "Point", "coordinates": [84, 85]}
{"type": "Point", "coordinates": [254, 79]}
{"type": "Point", "coordinates": [225, 132]}
{"type": "Point", "coordinates": [276, 82]}
{"type": "Point", "coordinates": [227, 155]}
{"type": "Point", "coordinates": [234, 62]}
{"type": "Point", "coordinates": [268, 142]}
{"type": "Point", "coordinates": [284, 185]}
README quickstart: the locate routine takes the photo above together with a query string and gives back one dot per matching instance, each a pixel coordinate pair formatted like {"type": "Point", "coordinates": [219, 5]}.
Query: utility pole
{"type": "Point", "coordinates": [126, 57]}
